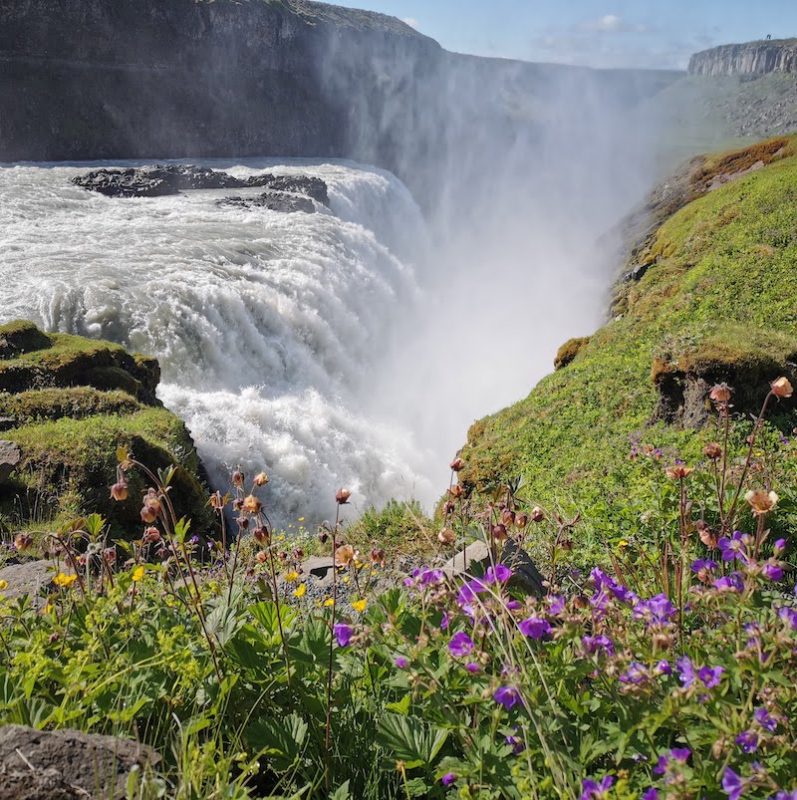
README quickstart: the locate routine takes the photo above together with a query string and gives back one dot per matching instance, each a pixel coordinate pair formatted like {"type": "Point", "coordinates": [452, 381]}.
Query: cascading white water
{"type": "Point", "coordinates": [268, 326]}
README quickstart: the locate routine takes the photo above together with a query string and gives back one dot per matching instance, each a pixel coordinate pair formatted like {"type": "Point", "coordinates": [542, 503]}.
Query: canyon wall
{"type": "Point", "coordinates": [752, 58]}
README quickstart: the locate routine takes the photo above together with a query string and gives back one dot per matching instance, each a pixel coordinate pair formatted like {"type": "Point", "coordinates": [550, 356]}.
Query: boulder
{"type": "Point", "coordinates": [525, 574]}
{"type": "Point", "coordinates": [10, 456]}
{"type": "Point", "coordinates": [273, 201]}
{"type": "Point", "coordinates": [62, 765]}
{"type": "Point", "coordinates": [28, 578]}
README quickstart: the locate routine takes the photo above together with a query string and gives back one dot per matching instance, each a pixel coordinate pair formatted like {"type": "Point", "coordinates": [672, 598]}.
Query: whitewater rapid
{"type": "Point", "coordinates": [269, 327]}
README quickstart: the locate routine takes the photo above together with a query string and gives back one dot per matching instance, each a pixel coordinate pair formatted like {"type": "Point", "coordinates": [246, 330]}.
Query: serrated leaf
{"type": "Point", "coordinates": [409, 740]}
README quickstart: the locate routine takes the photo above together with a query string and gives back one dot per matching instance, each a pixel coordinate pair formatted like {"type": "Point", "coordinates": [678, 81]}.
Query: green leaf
{"type": "Point", "coordinates": [409, 740]}
{"type": "Point", "coordinates": [401, 707]}
{"type": "Point", "coordinates": [341, 793]}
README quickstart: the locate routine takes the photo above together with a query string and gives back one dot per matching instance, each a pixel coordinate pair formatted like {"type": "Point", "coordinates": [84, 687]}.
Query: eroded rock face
{"type": "Point", "coordinates": [273, 201]}
{"type": "Point", "coordinates": [751, 58]}
{"type": "Point", "coordinates": [62, 765]}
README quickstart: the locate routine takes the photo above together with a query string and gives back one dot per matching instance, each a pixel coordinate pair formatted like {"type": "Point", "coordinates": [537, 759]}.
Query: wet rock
{"type": "Point", "coordinates": [62, 765]}
{"type": "Point", "coordinates": [273, 201]}
{"type": "Point", "coordinates": [10, 456]}
{"type": "Point", "coordinates": [525, 575]}
{"type": "Point", "coordinates": [170, 179]}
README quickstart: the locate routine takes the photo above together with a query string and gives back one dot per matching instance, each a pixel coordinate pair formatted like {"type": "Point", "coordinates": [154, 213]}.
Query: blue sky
{"type": "Point", "coordinates": [601, 33]}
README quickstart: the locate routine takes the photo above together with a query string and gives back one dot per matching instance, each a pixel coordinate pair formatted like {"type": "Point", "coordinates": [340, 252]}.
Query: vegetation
{"type": "Point", "coordinates": [68, 403]}
{"type": "Point", "coordinates": [715, 304]}
{"type": "Point", "coordinates": [669, 674]}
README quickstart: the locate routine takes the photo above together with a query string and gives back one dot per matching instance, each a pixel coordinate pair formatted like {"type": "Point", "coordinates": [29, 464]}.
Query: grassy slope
{"type": "Point", "coordinates": [722, 290]}
{"type": "Point", "coordinates": [68, 403]}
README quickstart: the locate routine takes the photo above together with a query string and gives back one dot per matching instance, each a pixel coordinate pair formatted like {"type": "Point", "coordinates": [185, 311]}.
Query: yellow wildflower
{"type": "Point", "coordinates": [329, 602]}
{"type": "Point", "coordinates": [63, 580]}
{"type": "Point", "coordinates": [138, 573]}
{"type": "Point", "coordinates": [3, 585]}
{"type": "Point", "coordinates": [359, 605]}
{"type": "Point", "coordinates": [300, 590]}
{"type": "Point", "coordinates": [292, 576]}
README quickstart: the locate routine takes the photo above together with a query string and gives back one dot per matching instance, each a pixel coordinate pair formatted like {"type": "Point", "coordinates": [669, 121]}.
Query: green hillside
{"type": "Point", "coordinates": [717, 301]}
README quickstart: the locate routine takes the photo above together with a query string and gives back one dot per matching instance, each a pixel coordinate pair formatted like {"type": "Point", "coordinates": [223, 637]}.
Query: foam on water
{"type": "Point", "coordinates": [268, 326]}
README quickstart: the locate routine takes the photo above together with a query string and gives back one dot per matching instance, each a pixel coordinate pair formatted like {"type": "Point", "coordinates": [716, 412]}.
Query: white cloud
{"type": "Point", "coordinates": [411, 21]}
{"type": "Point", "coordinates": [612, 23]}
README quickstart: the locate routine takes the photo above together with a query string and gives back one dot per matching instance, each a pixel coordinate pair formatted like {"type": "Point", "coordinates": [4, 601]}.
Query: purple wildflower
{"type": "Point", "coordinates": [730, 583]}
{"type": "Point", "coordinates": [663, 667]}
{"type": "Point", "coordinates": [704, 564]}
{"type": "Point", "coordinates": [686, 671]}
{"type": "Point", "coordinates": [448, 779]}
{"type": "Point", "coordinates": [596, 790]}
{"type": "Point", "coordinates": [789, 615]}
{"type": "Point", "coordinates": [401, 662]}
{"type": "Point", "coordinates": [735, 547]}
{"type": "Point", "coordinates": [535, 627]}
{"type": "Point", "coordinates": [678, 755]}
{"type": "Point", "coordinates": [473, 667]}
{"type": "Point", "coordinates": [635, 674]}
{"type": "Point", "coordinates": [430, 577]}
{"type": "Point", "coordinates": [507, 696]}
{"type": "Point", "coordinates": [773, 570]}
{"type": "Point", "coordinates": [460, 645]}
{"type": "Point", "coordinates": [748, 741]}
{"type": "Point", "coordinates": [592, 644]}
{"type": "Point", "coordinates": [516, 744]}
{"type": "Point", "coordinates": [779, 547]}
{"type": "Point", "coordinates": [500, 573]}
{"type": "Point", "coordinates": [732, 784]}
{"type": "Point", "coordinates": [556, 604]}
{"type": "Point", "coordinates": [765, 719]}
{"type": "Point", "coordinates": [445, 621]}
{"type": "Point", "coordinates": [343, 633]}
{"type": "Point", "coordinates": [657, 610]}
{"type": "Point", "coordinates": [710, 676]}
{"type": "Point", "coordinates": [651, 794]}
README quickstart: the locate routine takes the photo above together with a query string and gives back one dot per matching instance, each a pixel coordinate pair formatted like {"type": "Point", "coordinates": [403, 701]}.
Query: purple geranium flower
{"type": "Point", "coordinates": [507, 696]}
{"type": "Point", "coordinates": [596, 790]}
{"type": "Point", "coordinates": [473, 667]}
{"type": "Point", "coordinates": [678, 755]}
{"type": "Point", "coordinates": [500, 573]}
{"type": "Point", "coordinates": [789, 615]}
{"type": "Point", "coordinates": [448, 779]}
{"type": "Point", "coordinates": [635, 674]}
{"type": "Point", "coordinates": [730, 583]}
{"type": "Point", "coordinates": [765, 719]}
{"type": "Point", "coordinates": [592, 644]}
{"type": "Point", "coordinates": [773, 570]}
{"type": "Point", "coordinates": [686, 671]}
{"type": "Point", "coordinates": [401, 662]}
{"type": "Point", "coordinates": [663, 667]}
{"type": "Point", "coordinates": [651, 794]}
{"type": "Point", "coordinates": [735, 547]}
{"type": "Point", "coordinates": [704, 564]}
{"type": "Point", "coordinates": [732, 784]}
{"type": "Point", "coordinates": [556, 604]}
{"type": "Point", "coordinates": [516, 744]}
{"type": "Point", "coordinates": [535, 627]}
{"type": "Point", "coordinates": [710, 676]}
{"type": "Point", "coordinates": [779, 547]}
{"type": "Point", "coordinates": [430, 577]}
{"type": "Point", "coordinates": [460, 645]}
{"type": "Point", "coordinates": [445, 621]}
{"type": "Point", "coordinates": [748, 741]}
{"type": "Point", "coordinates": [343, 634]}
{"type": "Point", "coordinates": [657, 610]}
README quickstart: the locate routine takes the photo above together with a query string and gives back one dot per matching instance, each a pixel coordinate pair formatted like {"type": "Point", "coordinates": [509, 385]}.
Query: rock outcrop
{"type": "Point", "coordinates": [66, 765]}
{"type": "Point", "coordinates": [68, 403]}
{"type": "Point", "coordinates": [751, 58]}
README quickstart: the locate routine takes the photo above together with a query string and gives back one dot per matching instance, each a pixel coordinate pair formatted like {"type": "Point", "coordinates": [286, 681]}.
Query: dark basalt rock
{"type": "Point", "coordinates": [62, 765]}
{"type": "Point", "coordinates": [171, 179]}
{"type": "Point", "coordinates": [273, 201]}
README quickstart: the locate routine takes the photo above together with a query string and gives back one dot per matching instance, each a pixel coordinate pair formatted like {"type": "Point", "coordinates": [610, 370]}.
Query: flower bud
{"type": "Point", "coordinates": [713, 451]}
{"type": "Point", "coordinates": [22, 541]}
{"type": "Point", "coordinates": [261, 534]}
{"type": "Point", "coordinates": [109, 555]}
{"type": "Point", "coordinates": [455, 491]}
{"type": "Point", "coordinates": [521, 520]}
{"type": "Point", "coordinates": [537, 514]}
{"type": "Point", "coordinates": [261, 557]}
{"type": "Point", "coordinates": [243, 522]}
{"type": "Point", "coordinates": [446, 536]}
{"type": "Point", "coordinates": [238, 479]}
{"type": "Point", "coordinates": [377, 556]}
{"type": "Point", "coordinates": [151, 536]}
{"type": "Point", "coordinates": [499, 532]}
{"type": "Point", "coordinates": [457, 465]}
{"type": "Point", "coordinates": [508, 517]}
{"type": "Point", "coordinates": [720, 393]}
{"type": "Point", "coordinates": [782, 388]}
{"type": "Point", "coordinates": [342, 496]}
{"type": "Point", "coordinates": [119, 491]}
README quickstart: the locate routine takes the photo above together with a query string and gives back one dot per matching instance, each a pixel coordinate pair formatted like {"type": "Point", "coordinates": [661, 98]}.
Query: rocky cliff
{"type": "Point", "coordinates": [752, 58]}
{"type": "Point", "coordinates": [92, 79]}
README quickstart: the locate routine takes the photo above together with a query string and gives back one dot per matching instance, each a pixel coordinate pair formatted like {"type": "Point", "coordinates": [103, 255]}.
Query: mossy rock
{"type": "Point", "coordinates": [716, 302]}
{"type": "Point", "coordinates": [569, 350]}
{"type": "Point", "coordinates": [21, 336]}
{"type": "Point", "coordinates": [69, 404]}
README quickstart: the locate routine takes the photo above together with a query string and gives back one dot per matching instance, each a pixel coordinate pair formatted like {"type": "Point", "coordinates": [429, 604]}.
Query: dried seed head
{"type": "Point", "coordinates": [499, 532]}
{"type": "Point", "coordinates": [22, 541]}
{"type": "Point", "coordinates": [216, 501]}
{"type": "Point", "coordinates": [342, 496]}
{"type": "Point", "coordinates": [238, 504]}
{"type": "Point", "coordinates": [713, 451]}
{"type": "Point", "coordinates": [344, 555]}
{"type": "Point", "coordinates": [721, 394]}
{"type": "Point", "coordinates": [261, 534]}
{"type": "Point", "coordinates": [446, 536]}
{"type": "Point", "coordinates": [261, 479]}
{"type": "Point", "coordinates": [119, 491]}
{"type": "Point", "coordinates": [238, 479]}
{"type": "Point", "coordinates": [782, 388]}
{"type": "Point", "coordinates": [252, 505]}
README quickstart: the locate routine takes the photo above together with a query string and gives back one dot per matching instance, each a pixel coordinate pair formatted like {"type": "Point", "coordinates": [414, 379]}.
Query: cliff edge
{"type": "Point", "coordinates": [751, 58]}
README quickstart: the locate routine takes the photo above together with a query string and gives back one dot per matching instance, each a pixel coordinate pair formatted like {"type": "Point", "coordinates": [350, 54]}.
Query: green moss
{"type": "Point", "coordinates": [569, 350]}
{"type": "Point", "coordinates": [720, 298]}
{"type": "Point", "coordinates": [20, 337]}
{"type": "Point", "coordinates": [69, 405]}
